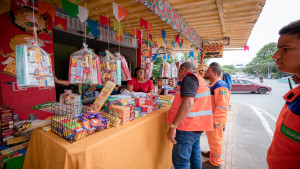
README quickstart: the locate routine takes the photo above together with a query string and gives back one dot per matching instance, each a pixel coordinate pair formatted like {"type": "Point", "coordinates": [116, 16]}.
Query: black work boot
{"type": "Point", "coordinates": [208, 165]}
{"type": "Point", "coordinates": [205, 153]}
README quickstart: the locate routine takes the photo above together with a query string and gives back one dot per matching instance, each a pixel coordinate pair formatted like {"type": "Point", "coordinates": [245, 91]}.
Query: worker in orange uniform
{"type": "Point", "coordinates": [220, 97]}
{"type": "Point", "coordinates": [284, 151]}
{"type": "Point", "coordinates": [189, 115]}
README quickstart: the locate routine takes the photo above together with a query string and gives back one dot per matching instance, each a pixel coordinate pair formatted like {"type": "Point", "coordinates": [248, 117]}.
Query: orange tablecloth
{"type": "Point", "coordinates": [140, 144]}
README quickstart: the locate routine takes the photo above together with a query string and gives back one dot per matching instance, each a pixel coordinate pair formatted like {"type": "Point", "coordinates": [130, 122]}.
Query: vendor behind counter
{"type": "Point", "coordinates": [139, 83]}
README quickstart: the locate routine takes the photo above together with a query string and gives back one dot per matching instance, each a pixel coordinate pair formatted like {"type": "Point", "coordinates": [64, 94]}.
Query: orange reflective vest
{"type": "Point", "coordinates": [284, 151]}
{"type": "Point", "coordinates": [220, 97]}
{"type": "Point", "coordinates": [200, 117]}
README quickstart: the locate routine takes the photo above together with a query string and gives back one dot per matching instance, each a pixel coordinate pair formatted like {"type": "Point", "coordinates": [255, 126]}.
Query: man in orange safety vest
{"type": "Point", "coordinates": [220, 97]}
{"type": "Point", "coordinates": [284, 151]}
{"type": "Point", "coordinates": [189, 115]}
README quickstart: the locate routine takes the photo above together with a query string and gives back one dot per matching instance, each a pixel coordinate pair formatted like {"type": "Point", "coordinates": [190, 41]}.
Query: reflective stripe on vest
{"type": "Point", "coordinates": [200, 113]}
{"type": "Point", "coordinates": [222, 107]}
{"type": "Point", "coordinates": [198, 95]}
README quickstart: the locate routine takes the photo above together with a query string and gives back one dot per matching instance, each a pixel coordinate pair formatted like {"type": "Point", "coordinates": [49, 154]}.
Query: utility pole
{"type": "Point", "coordinates": [268, 71]}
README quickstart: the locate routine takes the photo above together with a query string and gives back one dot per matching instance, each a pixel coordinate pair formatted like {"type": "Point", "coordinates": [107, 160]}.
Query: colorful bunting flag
{"type": "Point", "coordinates": [149, 25]}
{"type": "Point", "coordinates": [191, 54]}
{"type": "Point", "coordinates": [133, 31]}
{"type": "Point", "coordinates": [104, 20]}
{"type": "Point", "coordinates": [118, 27]}
{"type": "Point", "coordinates": [120, 12]}
{"type": "Point", "coordinates": [88, 29]}
{"type": "Point", "coordinates": [173, 43]}
{"type": "Point", "coordinates": [181, 42]}
{"type": "Point", "coordinates": [83, 14]}
{"type": "Point", "coordinates": [149, 37]}
{"type": "Point", "coordinates": [166, 42]}
{"type": "Point", "coordinates": [94, 28]}
{"type": "Point", "coordinates": [49, 19]}
{"type": "Point", "coordinates": [163, 34]}
{"type": "Point", "coordinates": [139, 36]}
{"type": "Point", "coordinates": [177, 39]}
{"type": "Point", "coordinates": [70, 8]}
{"type": "Point", "coordinates": [61, 22]}
{"type": "Point", "coordinates": [246, 48]}
{"type": "Point", "coordinates": [46, 8]}
{"type": "Point", "coordinates": [144, 23]}
{"type": "Point", "coordinates": [180, 45]}
{"type": "Point", "coordinates": [156, 45]}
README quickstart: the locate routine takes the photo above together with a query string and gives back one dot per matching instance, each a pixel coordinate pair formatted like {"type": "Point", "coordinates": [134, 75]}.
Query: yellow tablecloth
{"type": "Point", "coordinates": [140, 144]}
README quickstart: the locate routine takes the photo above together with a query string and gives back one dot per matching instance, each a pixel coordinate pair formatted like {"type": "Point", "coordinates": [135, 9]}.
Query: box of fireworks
{"type": "Point", "coordinates": [80, 133]}
{"type": "Point", "coordinates": [113, 120]}
{"type": "Point", "coordinates": [69, 98]}
{"type": "Point", "coordinates": [33, 66]}
{"type": "Point", "coordinates": [46, 128]}
{"type": "Point", "coordinates": [139, 102]}
{"type": "Point", "coordinates": [93, 114]}
{"type": "Point", "coordinates": [84, 65]}
{"type": "Point", "coordinates": [132, 116]}
{"type": "Point", "coordinates": [7, 122]}
{"type": "Point", "coordinates": [14, 148]}
{"type": "Point", "coordinates": [149, 102]}
{"type": "Point", "coordinates": [104, 94]}
{"type": "Point", "coordinates": [103, 125]}
{"type": "Point", "coordinates": [122, 112]}
{"type": "Point", "coordinates": [166, 98]}
{"type": "Point", "coordinates": [142, 114]}
{"type": "Point", "coordinates": [89, 95]}
{"type": "Point", "coordinates": [91, 130]}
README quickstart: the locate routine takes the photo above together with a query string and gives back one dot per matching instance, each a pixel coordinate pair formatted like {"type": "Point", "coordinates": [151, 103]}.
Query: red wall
{"type": "Point", "coordinates": [21, 101]}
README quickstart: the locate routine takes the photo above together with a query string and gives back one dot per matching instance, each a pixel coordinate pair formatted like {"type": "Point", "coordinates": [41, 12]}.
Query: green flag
{"type": "Point", "coordinates": [70, 8]}
{"type": "Point", "coordinates": [88, 29]}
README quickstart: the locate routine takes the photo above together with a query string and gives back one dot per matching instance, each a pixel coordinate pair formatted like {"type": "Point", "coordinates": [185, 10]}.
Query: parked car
{"type": "Point", "coordinates": [248, 86]}
{"type": "Point", "coordinates": [251, 77]}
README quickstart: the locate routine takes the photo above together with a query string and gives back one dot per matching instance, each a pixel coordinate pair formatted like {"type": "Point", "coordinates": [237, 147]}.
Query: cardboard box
{"type": "Point", "coordinates": [7, 122]}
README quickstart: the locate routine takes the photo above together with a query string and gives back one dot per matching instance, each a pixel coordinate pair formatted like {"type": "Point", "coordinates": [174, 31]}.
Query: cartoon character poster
{"type": "Point", "coordinates": [17, 27]}
{"type": "Point", "coordinates": [146, 52]}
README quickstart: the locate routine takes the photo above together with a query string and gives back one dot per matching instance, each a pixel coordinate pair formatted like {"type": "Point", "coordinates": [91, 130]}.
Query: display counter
{"type": "Point", "coordinates": [140, 144]}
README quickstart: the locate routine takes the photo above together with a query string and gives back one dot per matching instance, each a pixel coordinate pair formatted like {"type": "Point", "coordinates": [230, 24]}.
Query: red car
{"type": "Point", "coordinates": [248, 86]}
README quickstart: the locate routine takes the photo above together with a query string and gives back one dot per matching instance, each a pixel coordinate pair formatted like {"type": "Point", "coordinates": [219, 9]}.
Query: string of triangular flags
{"type": "Point", "coordinates": [119, 13]}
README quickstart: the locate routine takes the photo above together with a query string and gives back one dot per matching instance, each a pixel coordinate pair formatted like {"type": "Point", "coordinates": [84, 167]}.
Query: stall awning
{"type": "Point", "coordinates": [210, 19]}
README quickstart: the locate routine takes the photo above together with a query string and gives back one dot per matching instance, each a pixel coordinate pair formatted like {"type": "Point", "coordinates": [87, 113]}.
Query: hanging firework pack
{"type": "Point", "coordinates": [125, 70]}
{"type": "Point", "coordinates": [149, 68]}
{"type": "Point", "coordinates": [110, 69]}
{"type": "Point", "coordinates": [84, 67]}
{"type": "Point", "coordinates": [33, 65]}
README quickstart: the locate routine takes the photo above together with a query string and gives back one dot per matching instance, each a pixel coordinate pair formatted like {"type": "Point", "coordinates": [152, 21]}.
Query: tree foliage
{"type": "Point", "coordinates": [263, 61]}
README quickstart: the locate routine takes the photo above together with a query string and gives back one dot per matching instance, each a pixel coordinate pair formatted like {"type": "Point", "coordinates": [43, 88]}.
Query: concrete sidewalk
{"type": "Point", "coordinates": [228, 141]}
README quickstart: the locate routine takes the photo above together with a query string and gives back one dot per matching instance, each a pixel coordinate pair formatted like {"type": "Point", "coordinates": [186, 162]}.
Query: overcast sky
{"type": "Point", "coordinates": [275, 15]}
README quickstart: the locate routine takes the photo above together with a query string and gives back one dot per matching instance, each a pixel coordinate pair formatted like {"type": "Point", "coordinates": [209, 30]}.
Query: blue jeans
{"type": "Point", "coordinates": [187, 152]}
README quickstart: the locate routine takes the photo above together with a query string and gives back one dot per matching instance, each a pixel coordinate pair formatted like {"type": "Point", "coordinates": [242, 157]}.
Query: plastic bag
{"type": "Point", "coordinates": [33, 66]}
{"type": "Point", "coordinates": [125, 70]}
{"type": "Point", "coordinates": [110, 69]}
{"type": "Point", "coordinates": [149, 68]}
{"type": "Point", "coordinates": [84, 66]}
{"type": "Point", "coordinates": [174, 72]}
{"type": "Point", "coordinates": [165, 70]}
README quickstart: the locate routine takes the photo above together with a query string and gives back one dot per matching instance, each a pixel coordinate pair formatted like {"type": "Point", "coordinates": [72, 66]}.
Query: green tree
{"type": "Point", "coordinates": [263, 64]}
{"type": "Point", "coordinates": [230, 69]}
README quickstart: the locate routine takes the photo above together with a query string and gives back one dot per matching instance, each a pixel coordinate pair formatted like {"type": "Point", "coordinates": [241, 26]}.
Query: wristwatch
{"type": "Point", "coordinates": [173, 126]}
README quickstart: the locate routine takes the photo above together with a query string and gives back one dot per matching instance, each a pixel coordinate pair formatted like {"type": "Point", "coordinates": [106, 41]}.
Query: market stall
{"type": "Point", "coordinates": [139, 144]}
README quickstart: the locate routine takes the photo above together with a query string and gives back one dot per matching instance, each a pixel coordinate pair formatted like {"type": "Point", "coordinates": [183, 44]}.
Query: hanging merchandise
{"type": "Point", "coordinates": [125, 70]}
{"type": "Point", "coordinates": [174, 72]}
{"type": "Point", "coordinates": [33, 66]}
{"type": "Point", "coordinates": [149, 68]}
{"type": "Point", "coordinates": [110, 69]}
{"type": "Point", "coordinates": [165, 69]}
{"type": "Point", "coordinates": [84, 67]}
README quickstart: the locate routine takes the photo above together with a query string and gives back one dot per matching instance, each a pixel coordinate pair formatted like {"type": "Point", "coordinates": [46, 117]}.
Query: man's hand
{"type": "Point", "coordinates": [171, 135]}
{"type": "Point", "coordinates": [217, 125]}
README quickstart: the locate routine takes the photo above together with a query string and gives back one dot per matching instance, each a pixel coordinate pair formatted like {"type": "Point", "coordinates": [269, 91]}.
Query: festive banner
{"type": "Point", "coordinates": [70, 8]}
{"type": "Point", "coordinates": [167, 13]}
{"type": "Point", "coordinates": [173, 43]}
{"type": "Point", "coordinates": [246, 48]}
{"type": "Point", "coordinates": [83, 14]}
{"type": "Point", "coordinates": [163, 34]}
{"type": "Point", "coordinates": [139, 36]}
{"type": "Point", "coordinates": [133, 31]}
{"type": "Point", "coordinates": [177, 39]}
{"type": "Point", "coordinates": [46, 8]}
{"type": "Point", "coordinates": [60, 21]}
{"type": "Point", "coordinates": [191, 54]}
{"type": "Point", "coordinates": [213, 50]}
{"type": "Point", "coordinates": [94, 28]}
{"type": "Point", "coordinates": [149, 26]}
{"type": "Point", "coordinates": [120, 12]}
{"type": "Point", "coordinates": [180, 45]}
{"type": "Point", "coordinates": [104, 20]}
{"type": "Point", "coordinates": [88, 29]}
{"type": "Point", "coordinates": [118, 27]}
{"type": "Point", "coordinates": [143, 23]}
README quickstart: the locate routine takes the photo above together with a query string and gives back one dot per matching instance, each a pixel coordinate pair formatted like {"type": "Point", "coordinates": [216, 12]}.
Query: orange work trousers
{"type": "Point", "coordinates": [215, 140]}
